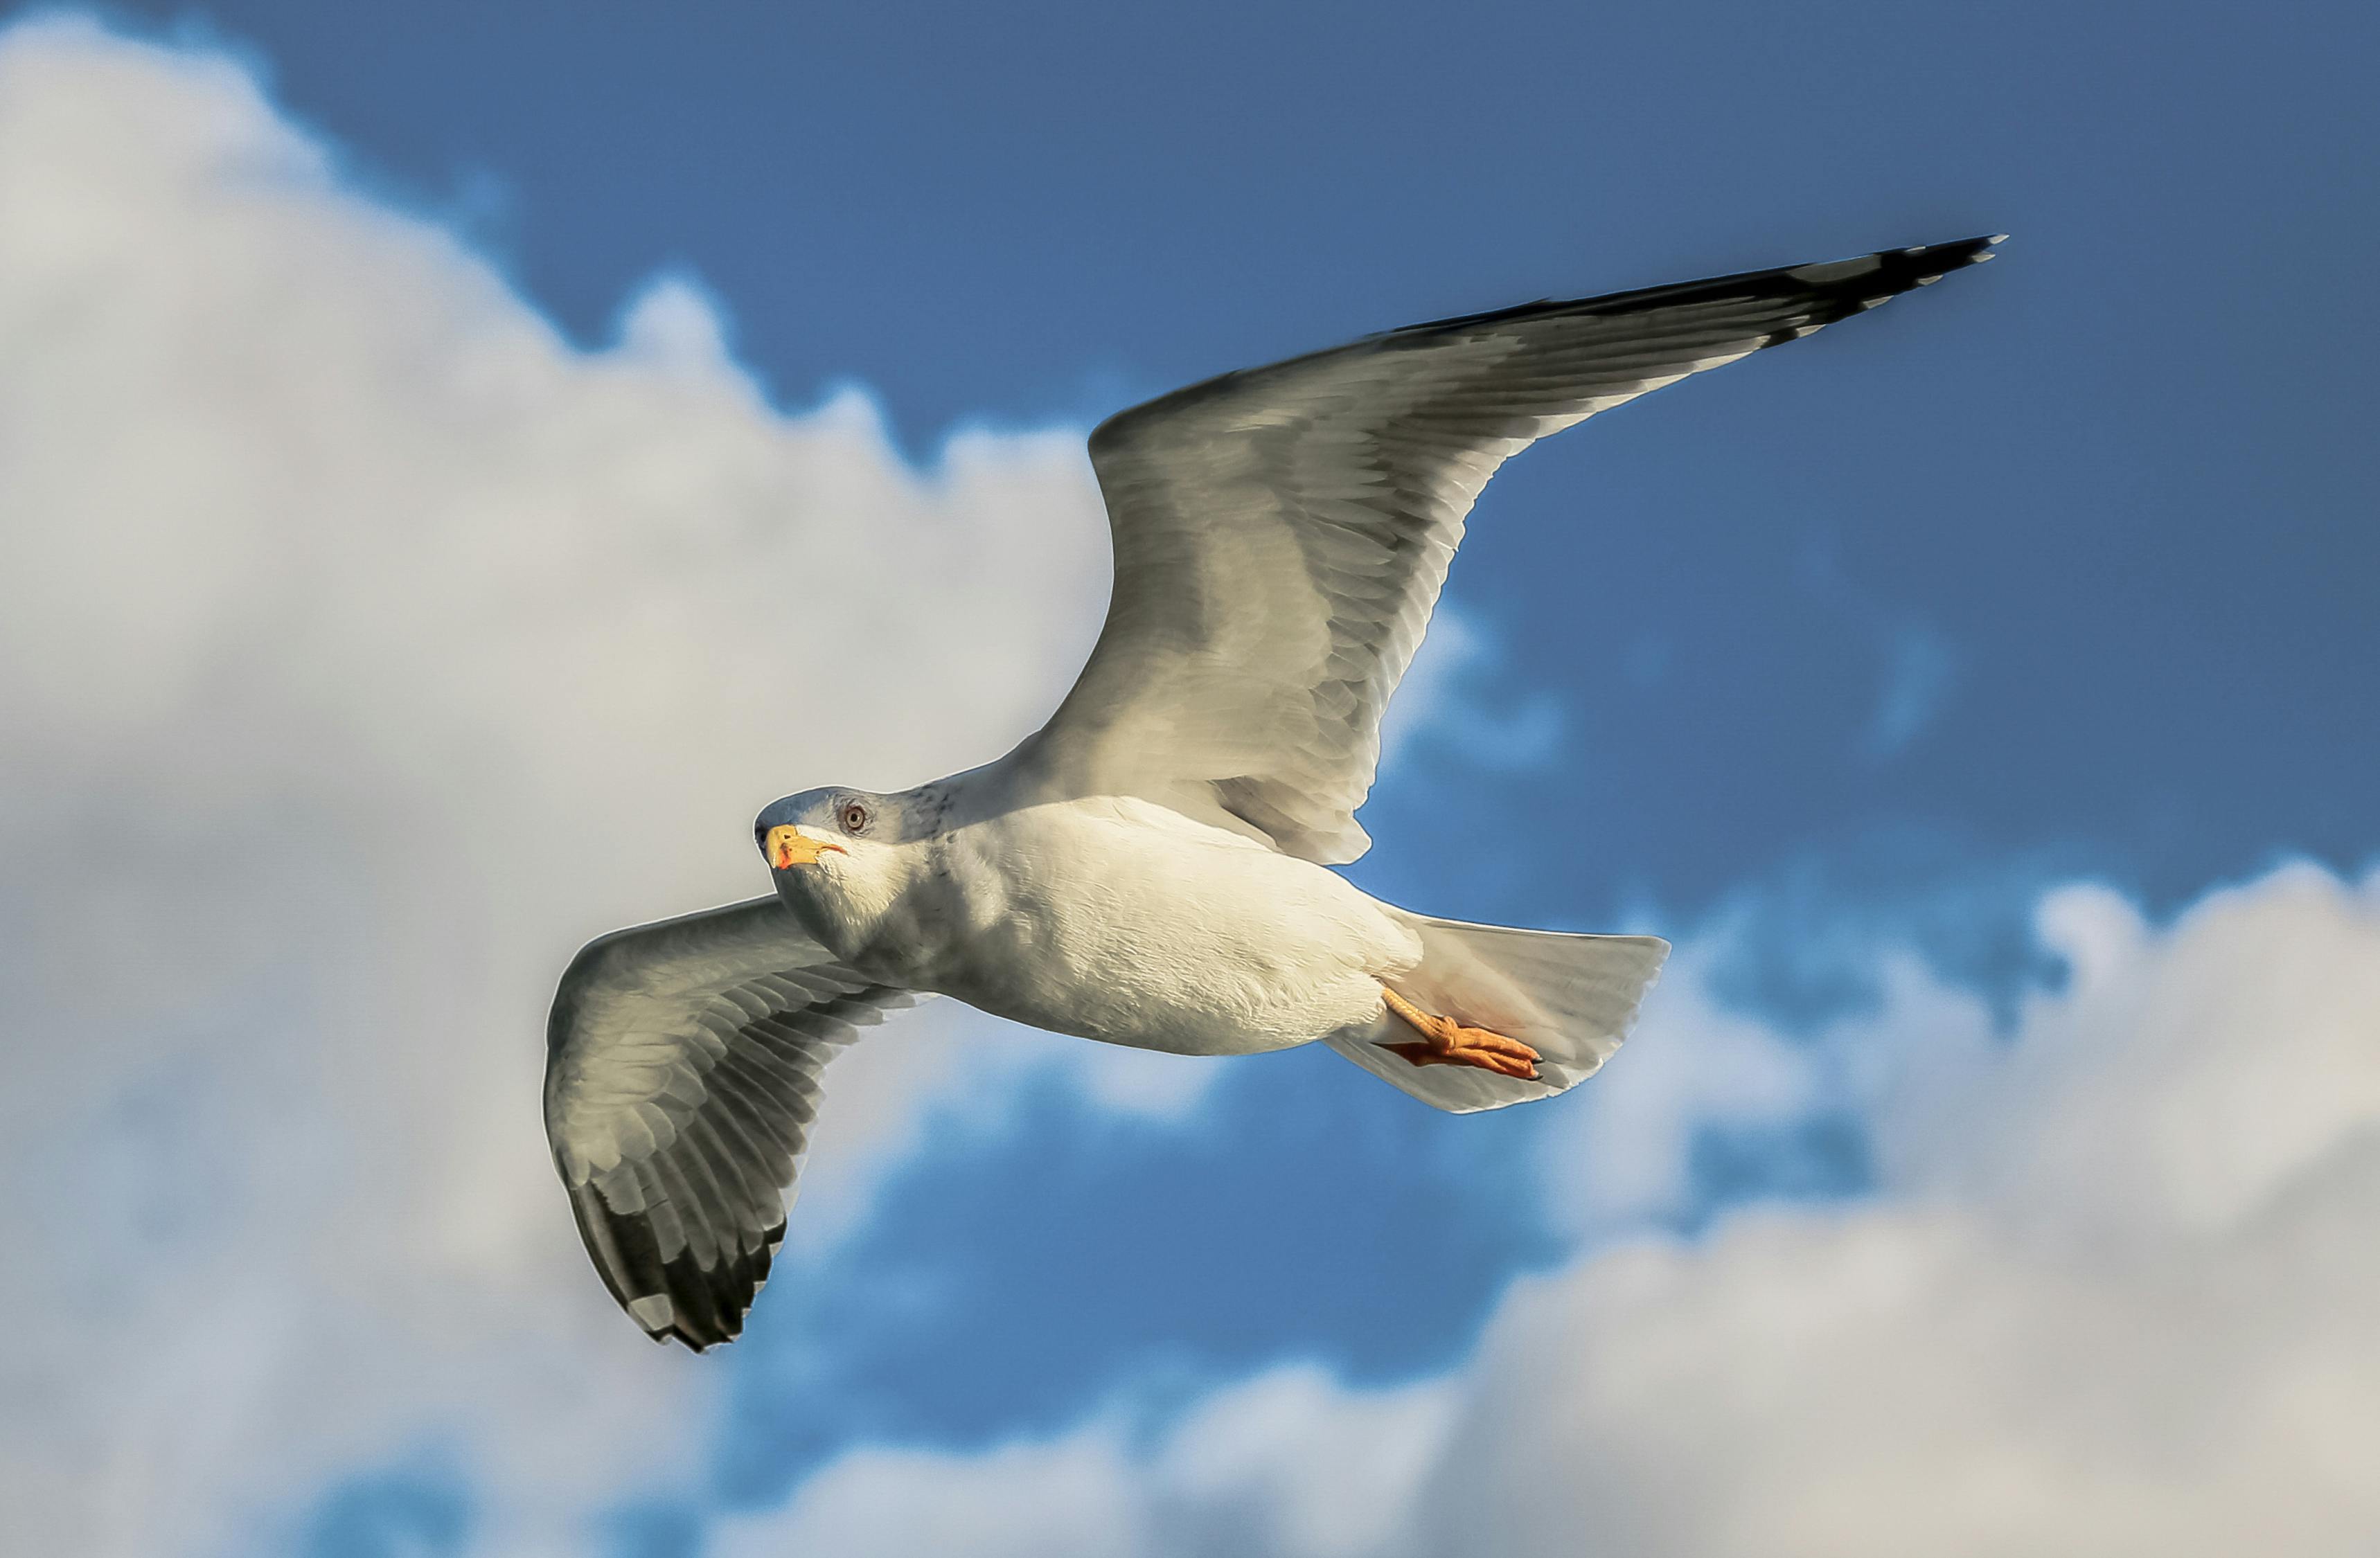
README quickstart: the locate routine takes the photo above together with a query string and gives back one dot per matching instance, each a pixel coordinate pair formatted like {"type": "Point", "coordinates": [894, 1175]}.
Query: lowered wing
{"type": "Point", "coordinates": [682, 1075]}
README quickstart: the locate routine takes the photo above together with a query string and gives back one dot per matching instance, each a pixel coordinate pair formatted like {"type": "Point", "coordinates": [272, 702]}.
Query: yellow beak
{"type": "Point", "coordinates": [789, 846]}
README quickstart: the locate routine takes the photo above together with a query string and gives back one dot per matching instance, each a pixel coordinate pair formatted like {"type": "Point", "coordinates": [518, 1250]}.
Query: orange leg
{"type": "Point", "coordinates": [1445, 1042]}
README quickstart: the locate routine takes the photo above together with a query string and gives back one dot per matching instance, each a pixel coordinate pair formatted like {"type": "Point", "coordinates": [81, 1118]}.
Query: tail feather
{"type": "Point", "coordinates": [1570, 997]}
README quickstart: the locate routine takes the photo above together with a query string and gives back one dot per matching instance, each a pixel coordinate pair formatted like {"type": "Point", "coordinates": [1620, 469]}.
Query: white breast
{"type": "Point", "coordinates": [1120, 919]}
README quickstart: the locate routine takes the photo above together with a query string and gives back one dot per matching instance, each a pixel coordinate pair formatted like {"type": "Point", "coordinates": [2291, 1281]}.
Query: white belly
{"type": "Point", "coordinates": [1123, 921]}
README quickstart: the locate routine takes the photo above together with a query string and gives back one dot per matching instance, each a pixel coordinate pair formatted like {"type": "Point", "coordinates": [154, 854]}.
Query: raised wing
{"type": "Point", "coordinates": [1280, 534]}
{"type": "Point", "coordinates": [681, 1078]}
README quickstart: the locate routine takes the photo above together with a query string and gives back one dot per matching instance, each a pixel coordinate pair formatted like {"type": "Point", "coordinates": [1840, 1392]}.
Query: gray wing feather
{"type": "Point", "coordinates": [1282, 534]}
{"type": "Point", "coordinates": [682, 1077]}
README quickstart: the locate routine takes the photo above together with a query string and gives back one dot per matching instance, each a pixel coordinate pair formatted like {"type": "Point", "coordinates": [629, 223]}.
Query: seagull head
{"type": "Point", "coordinates": [801, 830]}
{"type": "Point", "coordinates": [835, 855]}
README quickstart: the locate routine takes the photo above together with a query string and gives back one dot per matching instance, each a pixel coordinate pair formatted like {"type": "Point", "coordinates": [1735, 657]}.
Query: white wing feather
{"type": "Point", "coordinates": [1282, 534]}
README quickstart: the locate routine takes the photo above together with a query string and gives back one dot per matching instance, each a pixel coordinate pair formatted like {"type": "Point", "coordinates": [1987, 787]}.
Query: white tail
{"type": "Point", "coordinates": [1570, 997]}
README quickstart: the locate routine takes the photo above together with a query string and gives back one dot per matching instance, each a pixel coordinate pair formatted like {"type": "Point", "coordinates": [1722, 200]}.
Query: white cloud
{"type": "Point", "coordinates": [2112, 1297]}
{"type": "Point", "coordinates": [1618, 1155]}
{"type": "Point", "coordinates": [364, 648]}
{"type": "Point", "coordinates": [1288, 1463]}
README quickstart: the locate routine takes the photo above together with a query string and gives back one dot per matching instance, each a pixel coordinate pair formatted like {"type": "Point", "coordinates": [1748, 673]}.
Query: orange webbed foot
{"type": "Point", "coordinates": [1445, 1042]}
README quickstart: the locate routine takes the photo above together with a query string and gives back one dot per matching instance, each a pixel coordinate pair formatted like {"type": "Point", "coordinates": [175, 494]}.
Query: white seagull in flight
{"type": "Point", "coordinates": [1151, 867]}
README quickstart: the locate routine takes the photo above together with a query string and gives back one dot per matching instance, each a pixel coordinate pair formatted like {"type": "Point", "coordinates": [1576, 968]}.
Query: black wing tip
{"type": "Point", "coordinates": [1871, 278]}
{"type": "Point", "coordinates": [674, 1297]}
{"type": "Point", "coordinates": [706, 1306]}
{"type": "Point", "coordinates": [1834, 289]}
{"type": "Point", "coordinates": [701, 1308]}
{"type": "Point", "coordinates": [696, 1342]}
{"type": "Point", "coordinates": [1924, 262]}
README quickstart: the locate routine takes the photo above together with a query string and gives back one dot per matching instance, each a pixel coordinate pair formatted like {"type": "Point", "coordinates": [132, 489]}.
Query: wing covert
{"type": "Point", "coordinates": [682, 1077]}
{"type": "Point", "coordinates": [1282, 534]}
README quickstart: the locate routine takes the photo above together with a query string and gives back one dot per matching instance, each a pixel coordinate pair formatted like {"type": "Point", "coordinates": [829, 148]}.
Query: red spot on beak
{"type": "Point", "coordinates": [789, 847]}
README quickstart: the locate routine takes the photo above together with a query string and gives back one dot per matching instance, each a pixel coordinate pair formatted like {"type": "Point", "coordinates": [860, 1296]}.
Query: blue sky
{"type": "Point", "coordinates": [2071, 559]}
{"type": "Point", "coordinates": [2061, 570]}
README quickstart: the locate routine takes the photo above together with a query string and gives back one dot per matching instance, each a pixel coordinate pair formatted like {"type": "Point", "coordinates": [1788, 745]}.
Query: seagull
{"type": "Point", "coordinates": [1152, 867]}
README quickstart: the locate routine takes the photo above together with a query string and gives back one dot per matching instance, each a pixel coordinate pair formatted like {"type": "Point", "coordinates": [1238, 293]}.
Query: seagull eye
{"type": "Point", "coordinates": [855, 817]}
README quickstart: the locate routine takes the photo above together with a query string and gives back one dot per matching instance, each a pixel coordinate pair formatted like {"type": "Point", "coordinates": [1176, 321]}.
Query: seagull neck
{"type": "Point", "coordinates": [850, 902]}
